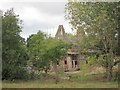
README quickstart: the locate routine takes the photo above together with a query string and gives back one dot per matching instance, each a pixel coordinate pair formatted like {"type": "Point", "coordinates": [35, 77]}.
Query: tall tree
{"type": "Point", "coordinates": [56, 52]}
{"type": "Point", "coordinates": [12, 45]}
{"type": "Point", "coordinates": [35, 47]}
{"type": "Point", "coordinates": [98, 22]}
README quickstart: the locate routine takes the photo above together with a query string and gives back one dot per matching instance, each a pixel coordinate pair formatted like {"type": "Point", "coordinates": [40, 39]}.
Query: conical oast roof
{"type": "Point", "coordinates": [60, 32]}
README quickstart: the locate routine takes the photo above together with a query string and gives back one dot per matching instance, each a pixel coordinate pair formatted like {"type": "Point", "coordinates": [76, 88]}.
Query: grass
{"type": "Point", "coordinates": [61, 84]}
{"type": "Point", "coordinates": [75, 81]}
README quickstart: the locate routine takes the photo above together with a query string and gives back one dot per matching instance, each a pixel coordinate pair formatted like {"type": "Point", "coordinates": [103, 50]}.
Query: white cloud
{"type": "Point", "coordinates": [39, 16]}
{"type": "Point", "coordinates": [34, 0]}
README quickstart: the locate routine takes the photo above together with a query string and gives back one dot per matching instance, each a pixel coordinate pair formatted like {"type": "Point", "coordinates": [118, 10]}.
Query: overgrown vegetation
{"type": "Point", "coordinates": [97, 29]}
{"type": "Point", "coordinates": [14, 54]}
{"type": "Point", "coordinates": [39, 49]}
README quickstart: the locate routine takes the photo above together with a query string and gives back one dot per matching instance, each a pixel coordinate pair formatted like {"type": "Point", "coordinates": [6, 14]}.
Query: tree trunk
{"type": "Point", "coordinates": [109, 73]}
{"type": "Point", "coordinates": [118, 32]}
{"type": "Point", "coordinates": [119, 42]}
{"type": "Point", "coordinates": [110, 66]}
{"type": "Point", "coordinates": [56, 72]}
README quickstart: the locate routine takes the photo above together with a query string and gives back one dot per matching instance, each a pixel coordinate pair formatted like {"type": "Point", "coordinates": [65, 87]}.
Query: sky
{"type": "Point", "coordinates": [39, 15]}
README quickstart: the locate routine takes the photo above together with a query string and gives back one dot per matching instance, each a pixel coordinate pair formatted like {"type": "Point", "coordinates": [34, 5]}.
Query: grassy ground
{"type": "Point", "coordinates": [75, 81]}
{"type": "Point", "coordinates": [65, 84]}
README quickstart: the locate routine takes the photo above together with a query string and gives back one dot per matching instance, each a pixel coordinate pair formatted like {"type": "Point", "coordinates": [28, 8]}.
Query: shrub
{"type": "Point", "coordinates": [91, 60]}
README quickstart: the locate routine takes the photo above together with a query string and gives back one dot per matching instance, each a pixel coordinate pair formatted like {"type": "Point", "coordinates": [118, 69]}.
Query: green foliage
{"type": "Point", "coordinates": [107, 61]}
{"type": "Point", "coordinates": [90, 67]}
{"type": "Point", "coordinates": [57, 51]}
{"type": "Point", "coordinates": [82, 78]}
{"type": "Point", "coordinates": [36, 49]}
{"type": "Point", "coordinates": [93, 21]}
{"type": "Point", "coordinates": [14, 54]}
{"type": "Point", "coordinates": [92, 60]}
{"type": "Point", "coordinates": [44, 50]}
{"type": "Point", "coordinates": [104, 59]}
{"type": "Point", "coordinates": [35, 46]}
{"type": "Point", "coordinates": [69, 38]}
{"type": "Point", "coordinates": [97, 26]}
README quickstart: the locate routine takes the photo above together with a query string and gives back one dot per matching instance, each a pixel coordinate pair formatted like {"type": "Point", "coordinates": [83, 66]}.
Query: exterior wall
{"type": "Point", "coordinates": [69, 62]}
{"type": "Point", "coordinates": [68, 66]}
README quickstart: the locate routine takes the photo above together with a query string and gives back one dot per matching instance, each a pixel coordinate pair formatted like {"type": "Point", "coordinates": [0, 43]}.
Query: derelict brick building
{"type": "Point", "coordinates": [72, 60]}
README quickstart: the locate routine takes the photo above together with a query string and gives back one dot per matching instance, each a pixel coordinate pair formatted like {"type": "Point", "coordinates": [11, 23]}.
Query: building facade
{"type": "Point", "coordinates": [72, 61]}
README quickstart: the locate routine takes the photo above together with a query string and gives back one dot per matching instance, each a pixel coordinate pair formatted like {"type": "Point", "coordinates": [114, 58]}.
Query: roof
{"type": "Point", "coordinates": [72, 51]}
{"type": "Point", "coordinates": [60, 32]}
{"type": "Point", "coordinates": [89, 50]}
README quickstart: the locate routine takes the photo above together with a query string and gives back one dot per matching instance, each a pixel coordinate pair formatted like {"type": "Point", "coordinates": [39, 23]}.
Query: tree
{"type": "Point", "coordinates": [42, 50]}
{"type": "Point", "coordinates": [56, 52]}
{"type": "Point", "coordinates": [36, 47]}
{"type": "Point", "coordinates": [97, 22]}
{"type": "Point", "coordinates": [13, 46]}
{"type": "Point", "coordinates": [45, 51]}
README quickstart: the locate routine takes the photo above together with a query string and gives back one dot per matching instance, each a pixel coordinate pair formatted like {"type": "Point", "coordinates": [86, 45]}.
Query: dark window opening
{"type": "Point", "coordinates": [75, 62]}
{"type": "Point", "coordinates": [74, 57]}
{"type": "Point", "coordinates": [57, 63]}
{"type": "Point", "coordinates": [72, 64]}
{"type": "Point", "coordinates": [65, 62]}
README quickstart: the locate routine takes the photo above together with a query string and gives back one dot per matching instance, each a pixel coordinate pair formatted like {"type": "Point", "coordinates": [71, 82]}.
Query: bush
{"type": "Point", "coordinates": [82, 78]}
{"type": "Point", "coordinates": [116, 76]}
{"type": "Point", "coordinates": [22, 74]}
{"type": "Point", "coordinates": [91, 60]}
{"type": "Point", "coordinates": [35, 76]}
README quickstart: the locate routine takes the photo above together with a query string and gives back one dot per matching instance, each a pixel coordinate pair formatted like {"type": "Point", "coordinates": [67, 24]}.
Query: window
{"type": "Point", "coordinates": [72, 64]}
{"type": "Point", "coordinates": [65, 62]}
{"type": "Point", "coordinates": [74, 57]}
{"type": "Point", "coordinates": [75, 62]}
{"type": "Point", "coordinates": [57, 63]}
